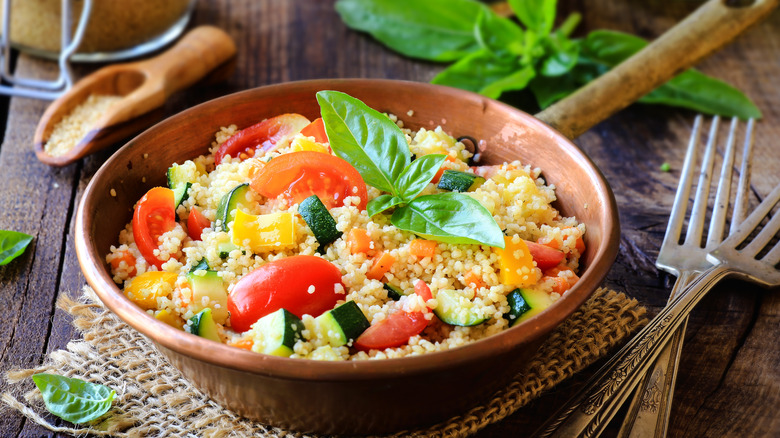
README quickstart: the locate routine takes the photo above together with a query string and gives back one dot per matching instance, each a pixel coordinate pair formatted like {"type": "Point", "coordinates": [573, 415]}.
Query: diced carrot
{"type": "Point", "coordinates": [556, 271]}
{"type": "Point", "coordinates": [472, 279]}
{"type": "Point", "coordinates": [552, 243]}
{"type": "Point", "coordinates": [126, 257]}
{"type": "Point", "coordinates": [382, 263]}
{"type": "Point", "coordinates": [580, 246]}
{"type": "Point", "coordinates": [438, 175]}
{"type": "Point", "coordinates": [560, 284]}
{"type": "Point", "coordinates": [422, 248]}
{"type": "Point", "coordinates": [244, 343]}
{"type": "Point", "coordinates": [359, 241]}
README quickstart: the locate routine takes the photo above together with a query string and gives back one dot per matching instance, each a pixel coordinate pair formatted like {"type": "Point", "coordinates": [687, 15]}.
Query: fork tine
{"type": "Point", "coordinates": [767, 233]}
{"type": "Point", "coordinates": [699, 211]}
{"type": "Point", "coordinates": [741, 203]}
{"type": "Point", "coordinates": [753, 221]}
{"type": "Point", "coordinates": [680, 205]}
{"type": "Point", "coordinates": [718, 220]}
{"type": "Point", "coordinates": [773, 256]}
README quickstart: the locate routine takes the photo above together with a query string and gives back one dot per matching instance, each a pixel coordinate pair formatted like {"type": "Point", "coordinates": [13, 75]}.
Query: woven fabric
{"type": "Point", "coordinates": [154, 400]}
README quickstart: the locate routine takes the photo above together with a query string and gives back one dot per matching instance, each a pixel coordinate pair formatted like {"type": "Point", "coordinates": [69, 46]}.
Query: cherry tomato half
{"type": "Point", "coordinates": [316, 129]}
{"type": "Point", "coordinates": [396, 329]}
{"type": "Point", "coordinates": [154, 215]}
{"type": "Point", "coordinates": [298, 175]}
{"type": "Point", "coordinates": [302, 284]}
{"type": "Point", "coordinates": [264, 136]}
{"type": "Point", "coordinates": [196, 223]}
{"type": "Point", "coordinates": [544, 256]}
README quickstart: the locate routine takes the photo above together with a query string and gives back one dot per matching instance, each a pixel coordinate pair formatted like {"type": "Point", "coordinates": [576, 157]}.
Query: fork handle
{"type": "Point", "coordinates": [588, 413]}
{"type": "Point", "coordinates": [710, 27]}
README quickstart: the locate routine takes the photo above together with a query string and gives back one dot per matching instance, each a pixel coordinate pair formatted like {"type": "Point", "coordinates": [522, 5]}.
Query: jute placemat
{"type": "Point", "coordinates": [154, 400]}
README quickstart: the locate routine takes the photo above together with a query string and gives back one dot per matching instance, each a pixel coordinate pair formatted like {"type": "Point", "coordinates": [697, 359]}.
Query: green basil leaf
{"type": "Point", "coordinates": [450, 218]}
{"type": "Point", "coordinates": [481, 72]}
{"type": "Point", "coordinates": [417, 175]}
{"type": "Point", "coordinates": [436, 30]}
{"type": "Point", "coordinates": [12, 245]}
{"type": "Point", "coordinates": [382, 203]}
{"type": "Point", "coordinates": [498, 35]}
{"type": "Point", "coordinates": [74, 400]}
{"type": "Point", "coordinates": [516, 81]}
{"type": "Point", "coordinates": [548, 90]}
{"type": "Point", "coordinates": [611, 47]}
{"type": "Point", "coordinates": [563, 55]}
{"type": "Point", "coordinates": [537, 15]}
{"type": "Point", "coordinates": [365, 138]}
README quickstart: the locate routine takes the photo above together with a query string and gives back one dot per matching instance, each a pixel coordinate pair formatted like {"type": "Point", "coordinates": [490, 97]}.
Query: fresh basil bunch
{"type": "Point", "coordinates": [72, 399]}
{"type": "Point", "coordinates": [378, 149]}
{"type": "Point", "coordinates": [493, 55]}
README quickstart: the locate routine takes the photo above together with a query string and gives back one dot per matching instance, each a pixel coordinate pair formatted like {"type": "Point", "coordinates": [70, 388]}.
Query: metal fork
{"type": "Point", "coordinates": [648, 413]}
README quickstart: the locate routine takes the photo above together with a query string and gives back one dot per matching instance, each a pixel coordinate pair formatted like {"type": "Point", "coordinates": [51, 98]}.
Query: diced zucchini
{"type": "Point", "coordinates": [177, 181]}
{"type": "Point", "coordinates": [319, 219]}
{"type": "Point", "coordinates": [525, 303]}
{"type": "Point", "coordinates": [277, 333]}
{"type": "Point", "coordinates": [457, 181]}
{"type": "Point", "coordinates": [265, 232]}
{"type": "Point", "coordinates": [393, 292]}
{"type": "Point", "coordinates": [209, 291]}
{"type": "Point", "coordinates": [202, 264]}
{"type": "Point", "coordinates": [203, 325]}
{"type": "Point", "coordinates": [457, 309]}
{"type": "Point", "coordinates": [225, 247]}
{"type": "Point", "coordinates": [232, 201]}
{"type": "Point", "coordinates": [342, 324]}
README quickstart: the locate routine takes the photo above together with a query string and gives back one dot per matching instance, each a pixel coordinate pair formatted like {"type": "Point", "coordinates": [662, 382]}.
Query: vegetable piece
{"type": "Point", "coordinates": [244, 344]}
{"type": "Point", "coordinates": [300, 144]}
{"type": "Point", "coordinates": [298, 175]}
{"type": "Point", "coordinates": [171, 319]}
{"type": "Point", "coordinates": [473, 280]}
{"type": "Point", "coordinates": [73, 399]}
{"type": "Point", "coordinates": [302, 284]}
{"type": "Point", "coordinates": [126, 257]}
{"type": "Point", "coordinates": [145, 288]}
{"type": "Point", "coordinates": [359, 241]}
{"type": "Point", "coordinates": [202, 264]}
{"type": "Point", "coordinates": [202, 324]}
{"type": "Point", "coordinates": [196, 223]}
{"type": "Point", "coordinates": [154, 216]}
{"type": "Point", "coordinates": [525, 304]}
{"type": "Point", "coordinates": [234, 200]}
{"type": "Point", "coordinates": [455, 308]}
{"type": "Point", "coordinates": [393, 292]}
{"type": "Point", "coordinates": [441, 170]}
{"type": "Point", "coordinates": [382, 263]}
{"type": "Point", "coordinates": [456, 181]}
{"type": "Point", "coordinates": [316, 129]}
{"type": "Point", "coordinates": [265, 232]}
{"type": "Point", "coordinates": [544, 256]}
{"type": "Point", "coordinates": [396, 329]}
{"type": "Point", "coordinates": [12, 245]}
{"type": "Point", "coordinates": [341, 325]}
{"type": "Point", "coordinates": [516, 263]}
{"type": "Point", "coordinates": [208, 290]}
{"type": "Point", "coordinates": [320, 221]}
{"type": "Point", "coordinates": [177, 181]}
{"type": "Point", "coordinates": [421, 248]}
{"type": "Point", "coordinates": [277, 333]}
{"type": "Point", "coordinates": [263, 137]}
{"type": "Point", "coordinates": [579, 245]}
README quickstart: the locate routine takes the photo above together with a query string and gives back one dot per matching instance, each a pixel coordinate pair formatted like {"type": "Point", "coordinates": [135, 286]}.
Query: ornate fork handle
{"type": "Point", "coordinates": [589, 412]}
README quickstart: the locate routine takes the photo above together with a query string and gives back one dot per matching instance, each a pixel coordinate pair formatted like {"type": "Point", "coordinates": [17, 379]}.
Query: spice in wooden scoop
{"type": "Point", "coordinates": [75, 125]}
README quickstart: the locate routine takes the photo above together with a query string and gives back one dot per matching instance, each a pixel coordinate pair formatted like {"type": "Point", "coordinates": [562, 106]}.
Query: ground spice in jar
{"type": "Point", "coordinates": [75, 125]}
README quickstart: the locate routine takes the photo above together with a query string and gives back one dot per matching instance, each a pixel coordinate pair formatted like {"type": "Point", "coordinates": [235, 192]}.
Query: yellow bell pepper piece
{"type": "Point", "coordinates": [517, 264]}
{"type": "Point", "coordinates": [169, 318]}
{"type": "Point", "coordinates": [265, 232]}
{"type": "Point", "coordinates": [301, 143]}
{"type": "Point", "coordinates": [144, 289]}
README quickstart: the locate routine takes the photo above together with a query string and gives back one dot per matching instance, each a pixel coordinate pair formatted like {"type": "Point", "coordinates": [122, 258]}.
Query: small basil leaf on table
{"type": "Point", "coordinates": [536, 15]}
{"type": "Point", "coordinates": [418, 175]}
{"type": "Point", "coordinates": [74, 400]}
{"type": "Point", "coordinates": [436, 30]}
{"type": "Point", "coordinates": [498, 35]}
{"type": "Point", "coordinates": [365, 138]}
{"type": "Point", "coordinates": [450, 218]}
{"type": "Point", "coordinates": [12, 245]}
{"type": "Point", "coordinates": [382, 203]}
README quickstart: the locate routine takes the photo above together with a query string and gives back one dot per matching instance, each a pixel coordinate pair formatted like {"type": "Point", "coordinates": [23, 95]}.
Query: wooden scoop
{"type": "Point", "coordinates": [144, 87]}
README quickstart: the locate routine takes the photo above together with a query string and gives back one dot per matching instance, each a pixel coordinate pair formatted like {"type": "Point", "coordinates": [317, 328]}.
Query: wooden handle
{"type": "Point", "coordinates": [707, 29]}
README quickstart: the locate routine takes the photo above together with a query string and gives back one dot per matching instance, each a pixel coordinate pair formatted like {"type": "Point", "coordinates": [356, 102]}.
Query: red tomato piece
{"type": "Point", "coordinates": [422, 289]}
{"type": "Point", "coordinates": [302, 284]}
{"type": "Point", "coordinates": [298, 175]}
{"type": "Point", "coordinates": [154, 215]}
{"type": "Point", "coordinates": [264, 136]}
{"type": "Point", "coordinates": [316, 129]}
{"type": "Point", "coordinates": [196, 223]}
{"type": "Point", "coordinates": [544, 256]}
{"type": "Point", "coordinates": [396, 329]}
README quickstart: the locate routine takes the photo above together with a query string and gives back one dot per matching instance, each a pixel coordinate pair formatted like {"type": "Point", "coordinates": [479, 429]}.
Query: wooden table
{"type": "Point", "coordinates": [729, 382]}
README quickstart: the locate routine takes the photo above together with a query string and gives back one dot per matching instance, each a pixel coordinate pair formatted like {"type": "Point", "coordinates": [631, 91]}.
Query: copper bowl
{"type": "Point", "coordinates": [356, 397]}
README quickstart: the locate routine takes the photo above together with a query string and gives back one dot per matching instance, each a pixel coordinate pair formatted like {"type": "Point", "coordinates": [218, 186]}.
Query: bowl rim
{"type": "Point", "coordinates": [94, 268]}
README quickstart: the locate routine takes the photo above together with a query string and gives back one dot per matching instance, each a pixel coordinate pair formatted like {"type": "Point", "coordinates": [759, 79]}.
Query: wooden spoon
{"type": "Point", "coordinates": [144, 87]}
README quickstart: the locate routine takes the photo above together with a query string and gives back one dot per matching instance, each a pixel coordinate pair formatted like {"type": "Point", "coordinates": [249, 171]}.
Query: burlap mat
{"type": "Point", "coordinates": [154, 400]}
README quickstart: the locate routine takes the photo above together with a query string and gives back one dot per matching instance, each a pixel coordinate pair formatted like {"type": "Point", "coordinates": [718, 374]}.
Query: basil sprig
{"type": "Point", "coordinates": [72, 399]}
{"type": "Point", "coordinates": [12, 245]}
{"type": "Point", "coordinates": [378, 149]}
{"type": "Point", "coordinates": [492, 55]}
